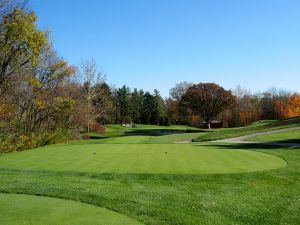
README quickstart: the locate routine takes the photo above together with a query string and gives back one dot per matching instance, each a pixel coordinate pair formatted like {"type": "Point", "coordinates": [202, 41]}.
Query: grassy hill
{"type": "Point", "coordinates": [260, 126]}
{"type": "Point", "coordinates": [282, 137]}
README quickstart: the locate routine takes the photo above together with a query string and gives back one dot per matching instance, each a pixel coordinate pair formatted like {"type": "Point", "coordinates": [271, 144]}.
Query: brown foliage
{"type": "Point", "coordinates": [96, 127]}
{"type": "Point", "coordinates": [207, 100]}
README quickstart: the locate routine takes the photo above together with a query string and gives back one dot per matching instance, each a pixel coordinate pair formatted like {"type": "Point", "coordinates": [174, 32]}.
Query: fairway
{"type": "Point", "coordinates": [37, 210]}
{"type": "Point", "coordinates": [141, 158]}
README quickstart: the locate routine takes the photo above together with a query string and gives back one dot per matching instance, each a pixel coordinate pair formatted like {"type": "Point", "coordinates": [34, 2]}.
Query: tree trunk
{"type": "Point", "coordinates": [88, 127]}
{"type": "Point", "coordinates": [207, 124]}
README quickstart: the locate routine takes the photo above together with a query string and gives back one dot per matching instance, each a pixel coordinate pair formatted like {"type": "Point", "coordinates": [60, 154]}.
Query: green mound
{"type": "Point", "coordinates": [34, 210]}
{"type": "Point", "coordinates": [141, 158]}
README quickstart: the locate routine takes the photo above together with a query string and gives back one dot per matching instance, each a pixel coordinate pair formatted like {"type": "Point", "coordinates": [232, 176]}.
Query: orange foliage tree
{"type": "Point", "coordinates": [292, 107]}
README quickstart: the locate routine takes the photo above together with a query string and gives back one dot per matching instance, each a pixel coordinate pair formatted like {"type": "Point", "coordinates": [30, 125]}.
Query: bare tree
{"type": "Point", "coordinates": [7, 6]}
{"type": "Point", "coordinates": [95, 91]}
{"type": "Point", "coordinates": [179, 90]}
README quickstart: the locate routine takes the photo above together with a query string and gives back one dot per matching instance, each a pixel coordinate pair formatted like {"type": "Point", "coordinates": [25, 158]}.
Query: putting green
{"type": "Point", "coordinates": [34, 210]}
{"type": "Point", "coordinates": [141, 158]}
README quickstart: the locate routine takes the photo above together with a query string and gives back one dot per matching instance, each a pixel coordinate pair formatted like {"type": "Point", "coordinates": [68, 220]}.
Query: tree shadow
{"type": "Point", "coordinates": [249, 146]}
{"type": "Point", "coordinates": [290, 141]}
{"type": "Point", "coordinates": [160, 132]}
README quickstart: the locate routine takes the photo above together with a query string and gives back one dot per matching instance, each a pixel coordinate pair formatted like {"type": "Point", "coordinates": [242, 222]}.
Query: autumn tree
{"type": "Point", "coordinates": [207, 100]}
{"type": "Point", "coordinates": [172, 111]}
{"type": "Point", "coordinates": [38, 99]}
{"type": "Point", "coordinates": [292, 107]}
{"type": "Point", "coordinates": [21, 44]}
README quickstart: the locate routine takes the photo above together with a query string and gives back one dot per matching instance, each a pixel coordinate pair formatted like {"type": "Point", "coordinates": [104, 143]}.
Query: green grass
{"type": "Point", "coordinates": [261, 126]}
{"type": "Point", "coordinates": [132, 177]}
{"type": "Point", "coordinates": [144, 139]}
{"type": "Point", "coordinates": [285, 137]}
{"type": "Point", "coordinates": [141, 139]}
{"type": "Point", "coordinates": [266, 198]}
{"type": "Point", "coordinates": [36, 210]}
{"type": "Point", "coordinates": [141, 158]}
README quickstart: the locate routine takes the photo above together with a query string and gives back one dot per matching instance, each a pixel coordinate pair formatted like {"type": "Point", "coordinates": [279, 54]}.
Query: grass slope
{"type": "Point", "coordinates": [261, 126]}
{"type": "Point", "coordinates": [36, 210]}
{"type": "Point", "coordinates": [141, 158]}
{"type": "Point", "coordinates": [285, 137]}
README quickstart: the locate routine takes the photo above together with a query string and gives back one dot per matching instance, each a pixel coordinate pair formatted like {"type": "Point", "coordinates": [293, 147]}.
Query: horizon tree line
{"type": "Point", "coordinates": [44, 99]}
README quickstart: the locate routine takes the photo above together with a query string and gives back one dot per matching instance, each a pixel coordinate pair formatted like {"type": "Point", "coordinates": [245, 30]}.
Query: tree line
{"type": "Point", "coordinates": [44, 99]}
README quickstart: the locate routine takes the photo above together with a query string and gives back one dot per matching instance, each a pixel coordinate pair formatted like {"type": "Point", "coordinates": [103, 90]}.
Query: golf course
{"type": "Point", "coordinates": [123, 178]}
{"type": "Point", "coordinates": [149, 112]}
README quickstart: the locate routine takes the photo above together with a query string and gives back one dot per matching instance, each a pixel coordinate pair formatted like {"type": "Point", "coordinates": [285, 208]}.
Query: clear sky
{"type": "Point", "coordinates": [157, 43]}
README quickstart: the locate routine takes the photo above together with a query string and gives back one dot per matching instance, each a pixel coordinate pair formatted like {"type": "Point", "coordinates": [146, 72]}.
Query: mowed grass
{"type": "Point", "coordinates": [269, 197]}
{"type": "Point", "coordinates": [37, 210]}
{"type": "Point", "coordinates": [141, 158]}
{"type": "Point", "coordinates": [292, 136]}
{"type": "Point", "coordinates": [172, 138]}
{"type": "Point", "coordinates": [155, 184]}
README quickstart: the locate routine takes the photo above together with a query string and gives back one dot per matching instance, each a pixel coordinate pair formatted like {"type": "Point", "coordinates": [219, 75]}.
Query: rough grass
{"type": "Point", "coordinates": [35, 210]}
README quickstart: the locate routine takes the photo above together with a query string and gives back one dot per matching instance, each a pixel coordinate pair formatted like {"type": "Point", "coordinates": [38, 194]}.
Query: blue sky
{"type": "Point", "coordinates": [157, 43]}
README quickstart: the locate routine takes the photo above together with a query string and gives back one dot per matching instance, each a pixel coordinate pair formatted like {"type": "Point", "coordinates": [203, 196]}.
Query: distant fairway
{"type": "Point", "coordinates": [37, 210]}
{"type": "Point", "coordinates": [151, 139]}
{"type": "Point", "coordinates": [141, 158]}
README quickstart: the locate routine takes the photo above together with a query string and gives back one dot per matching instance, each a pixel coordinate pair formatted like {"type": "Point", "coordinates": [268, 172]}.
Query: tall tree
{"type": "Point", "coordinates": [123, 101]}
{"type": "Point", "coordinates": [179, 114]}
{"type": "Point", "coordinates": [159, 112]}
{"type": "Point", "coordinates": [147, 108]}
{"type": "Point", "coordinates": [136, 105]}
{"type": "Point", "coordinates": [21, 44]}
{"type": "Point", "coordinates": [38, 97]}
{"type": "Point", "coordinates": [207, 100]}
{"type": "Point", "coordinates": [93, 89]}
{"type": "Point", "coordinates": [179, 90]}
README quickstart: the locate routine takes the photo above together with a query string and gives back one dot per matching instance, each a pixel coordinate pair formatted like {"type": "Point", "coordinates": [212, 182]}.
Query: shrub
{"type": "Point", "coordinates": [23, 142]}
{"type": "Point", "coordinates": [98, 128]}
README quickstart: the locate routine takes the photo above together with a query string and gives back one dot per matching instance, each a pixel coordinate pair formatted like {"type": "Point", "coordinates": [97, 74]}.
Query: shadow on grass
{"type": "Point", "coordinates": [249, 146]}
{"type": "Point", "coordinates": [160, 132]}
{"type": "Point", "coordinates": [290, 141]}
